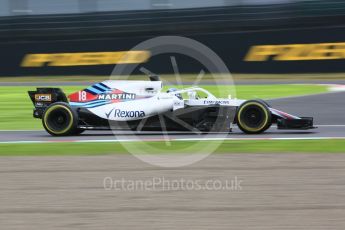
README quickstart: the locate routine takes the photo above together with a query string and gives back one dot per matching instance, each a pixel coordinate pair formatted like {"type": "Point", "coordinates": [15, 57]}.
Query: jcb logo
{"type": "Point", "coordinates": [297, 52]}
{"type": "Point", "coordinates": [43, 97]}
{"type": "Point", "coordinates": [87, 58]}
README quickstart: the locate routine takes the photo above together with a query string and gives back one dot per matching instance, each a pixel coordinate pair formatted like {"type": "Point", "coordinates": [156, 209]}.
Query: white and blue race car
{"type": "Point", "coordinates": [141, 105]}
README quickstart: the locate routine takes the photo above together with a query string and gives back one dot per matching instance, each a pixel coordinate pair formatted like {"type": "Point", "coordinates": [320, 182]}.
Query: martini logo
{"type": "Point", "coordinates": [117, 96]}
{"type": "Point", "coordinates": [124, 113]}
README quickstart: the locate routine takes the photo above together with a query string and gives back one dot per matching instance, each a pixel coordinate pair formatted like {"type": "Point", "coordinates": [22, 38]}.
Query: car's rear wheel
{"type": "Point", "coordinates": [59, 119]}
{"type": "Point", "coordinates": [253, 117]}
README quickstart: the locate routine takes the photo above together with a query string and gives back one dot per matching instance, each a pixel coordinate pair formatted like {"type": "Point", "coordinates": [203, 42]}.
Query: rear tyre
{"type": "Point", "coordinates": [59, 119]}
{"type": "Point", "coordinates": [254, 117]}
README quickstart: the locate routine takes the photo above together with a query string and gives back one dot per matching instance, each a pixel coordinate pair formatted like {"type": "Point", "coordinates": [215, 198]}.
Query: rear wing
{"type": "Point", "coordinates": [43, 97]}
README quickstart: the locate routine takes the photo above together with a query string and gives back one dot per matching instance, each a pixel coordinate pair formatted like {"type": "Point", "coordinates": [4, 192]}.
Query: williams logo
{"type": "Point", "coordinates": [126, 114]}
{"type": "Point", "coordinates": [217, 102]}
{"type": "Point", "coordinates": [116, 96]}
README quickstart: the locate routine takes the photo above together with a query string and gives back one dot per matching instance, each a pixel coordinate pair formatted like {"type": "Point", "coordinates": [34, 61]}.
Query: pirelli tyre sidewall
{"type": "Point", "coordinates": [59, 119]}
{"type": "Point", "coordinates": [253, 117]}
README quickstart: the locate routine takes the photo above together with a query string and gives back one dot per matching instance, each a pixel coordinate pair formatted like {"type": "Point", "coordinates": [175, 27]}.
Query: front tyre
{"type": "Point", "coordinates": [253, 117]}
{"type": "Point", "coordinates": [60, 120]}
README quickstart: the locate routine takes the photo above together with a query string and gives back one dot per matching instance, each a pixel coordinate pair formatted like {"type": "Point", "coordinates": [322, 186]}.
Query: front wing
{"type": "Point", "coordinates": [288, 121]}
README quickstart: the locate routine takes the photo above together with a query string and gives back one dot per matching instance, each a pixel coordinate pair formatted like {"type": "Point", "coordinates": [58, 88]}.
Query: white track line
{"type": "Point", "coordinates": [174, 139]}
{"type": "Point", "coordinates": [330, 125]}
{"type": "Point", "coordinates": [20, 130]}
{"type": "Point", "coordinates": [273, 126]}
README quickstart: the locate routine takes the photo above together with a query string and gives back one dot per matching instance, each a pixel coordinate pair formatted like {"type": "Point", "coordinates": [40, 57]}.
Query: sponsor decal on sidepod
{"type": "Point", "coordinates": [125, 113]}
{"type": "Point", "coordinates": [217, 102]}
{"type": "Point", "coordinates": [116, 96]}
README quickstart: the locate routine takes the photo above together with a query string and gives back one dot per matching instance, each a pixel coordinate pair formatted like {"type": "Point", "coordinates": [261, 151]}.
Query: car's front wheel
{"type": "Point", "coordinates": [253, 117]}
{"type": "Point", "coordinates": [60, 120]}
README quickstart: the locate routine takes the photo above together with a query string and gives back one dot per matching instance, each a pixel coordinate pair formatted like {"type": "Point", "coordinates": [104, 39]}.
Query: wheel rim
{"type": "Point", "coordinates": [253, 117]}
{"type": "Point", "coordinates": [58, 120]}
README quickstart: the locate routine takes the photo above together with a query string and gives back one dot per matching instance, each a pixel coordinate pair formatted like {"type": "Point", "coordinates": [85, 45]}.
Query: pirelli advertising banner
{"type": "Point", "coordinates": [283, 51]}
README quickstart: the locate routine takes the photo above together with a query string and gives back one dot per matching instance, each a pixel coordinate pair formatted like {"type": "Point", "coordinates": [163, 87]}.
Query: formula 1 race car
{"type": "Point", "coordinates": [141, 105]}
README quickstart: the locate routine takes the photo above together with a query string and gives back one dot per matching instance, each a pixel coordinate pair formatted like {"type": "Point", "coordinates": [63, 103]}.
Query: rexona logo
{"type": "Point", "coordinates": [117, 96]}
{"type": "Point", "coordinates": [296, 52]}
{"type": "Point", "coordinates": [126, 114]}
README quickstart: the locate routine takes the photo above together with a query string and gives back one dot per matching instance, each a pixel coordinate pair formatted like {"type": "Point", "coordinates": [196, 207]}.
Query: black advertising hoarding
{"type": "Point", "coordinates": [281, 51]}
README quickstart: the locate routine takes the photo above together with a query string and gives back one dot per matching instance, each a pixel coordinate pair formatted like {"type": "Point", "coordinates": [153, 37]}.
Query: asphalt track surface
{"type": "Point", "coordinates": [322, 132]}
{"type": "Point", "coordinates": [274, 191]}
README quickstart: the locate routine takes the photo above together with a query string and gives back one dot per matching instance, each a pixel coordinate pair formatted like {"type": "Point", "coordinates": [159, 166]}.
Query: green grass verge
{"type": "Point", "coordinates": [230, 146]}
{"type": "Point", "coordinates": [16, 107]}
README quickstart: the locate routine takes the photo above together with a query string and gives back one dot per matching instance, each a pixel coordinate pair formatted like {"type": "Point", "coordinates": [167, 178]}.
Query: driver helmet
{"type": "Point", "coordinates": [178, 95]}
